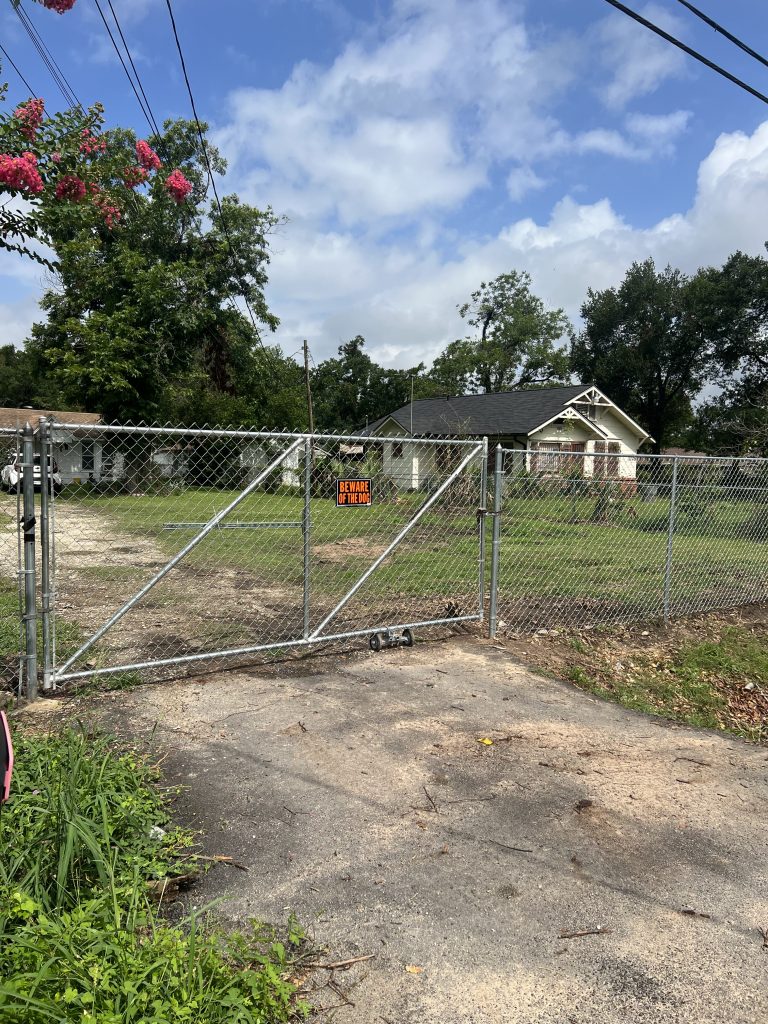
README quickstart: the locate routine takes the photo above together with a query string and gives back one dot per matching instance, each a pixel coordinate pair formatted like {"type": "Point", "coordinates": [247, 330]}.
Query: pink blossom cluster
{"type": "Point", "coordinates": [60, 6]}
{"type": "Point", "coordinates": [31, 115]}
{"type": "Point", "coordinates": [178, 186]}
{"type": "Point", "coordinates": [109, 211]}
{"type": "Point", "coordinates": [91, 144]}
{"type": "Point", "coordinates": [147, 157]}
{"type": "Point", "coordinates": [134, 176]}
{"type": "Point", "coordinates": [20, 172]}
{"type": "Point", "coordinates": [71, 187]}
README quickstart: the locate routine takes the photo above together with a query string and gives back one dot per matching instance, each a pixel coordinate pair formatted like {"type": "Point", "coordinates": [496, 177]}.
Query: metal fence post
{"type": "Point", "coordinates": [670, 540]}
{"type": "Point", "coordinates": [306, 529]}
{"type": "Point", "coordinates": [46, 490]}
{"type": "Point", "coordinates": [498, 488]}
{"type": "Point", "coordinates": [28, 526]}
{"type": "Point", "coordinates": [481, 517]}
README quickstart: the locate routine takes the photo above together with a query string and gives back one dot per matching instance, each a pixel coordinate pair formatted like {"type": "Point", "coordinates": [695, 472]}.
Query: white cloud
{"type": "Point", "coordinates": [659, 131]}
{"type": "Point", "coordinates": [638, 60]}
{"type": "Point", "coordinates": [402, 298]}
{"type": "Point", "coordinates": [521, 181]}
{"type": "Point", "coordinates": [410, 120]}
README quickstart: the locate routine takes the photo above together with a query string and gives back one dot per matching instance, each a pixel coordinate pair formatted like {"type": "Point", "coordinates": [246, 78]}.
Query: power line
{"type": "Point", "coordinates": [724, 32]}
{"type": "Point", "coordinates": [136, 73]}
{"type": "Point", "coordinates": [210, 169]}
{"type": "Point", "coordinates": [687, 49]}
{"type": "Point", "coordinates": [70, 98]}
{"type": "Point", "coordinates": [144, 109]}
{"type": "Point", "coordinates": [10, 61]}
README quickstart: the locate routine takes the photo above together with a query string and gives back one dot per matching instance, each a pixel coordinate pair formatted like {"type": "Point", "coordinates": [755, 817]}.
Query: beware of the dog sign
{"type": "Point", "coordinates": [353, 492]}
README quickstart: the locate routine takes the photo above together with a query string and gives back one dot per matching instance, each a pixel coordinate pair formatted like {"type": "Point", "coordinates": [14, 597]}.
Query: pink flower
{"type": "Point", "coordinates": [72, 188]}
{"type": "Point", "coordinates": [21, 173]}
{"type": "Point", "coordinates": [178, 186]}
{"type": "Point", "coordinates": [31, 115]}
{"type": "Point", "coordinates": [60, 6]}
{"type": "Point", "coordinates": [147, 157]}
{"type": "Point", "coordinates": [56, 157]}
{"type": "Point", "coordinates": [134, 176]}
{"type": "Point", "coordinates": [109, 211]}
{"type": "Point", "coordinates": [91, 144]}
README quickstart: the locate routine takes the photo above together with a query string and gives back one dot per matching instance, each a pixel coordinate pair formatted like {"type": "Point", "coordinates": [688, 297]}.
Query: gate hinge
{"type": "Point", "coordinates": [483, 512]}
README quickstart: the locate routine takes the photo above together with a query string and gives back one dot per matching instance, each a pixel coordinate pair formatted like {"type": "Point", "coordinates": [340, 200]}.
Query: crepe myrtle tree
{"type": "Point", "coordinates": [64, 174]}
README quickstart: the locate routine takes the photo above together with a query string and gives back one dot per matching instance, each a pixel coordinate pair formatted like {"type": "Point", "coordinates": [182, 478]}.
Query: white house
{"type": "Point", "coordinates": [551, 431]}
{"type": "Point", "coordinates": [78, 458]}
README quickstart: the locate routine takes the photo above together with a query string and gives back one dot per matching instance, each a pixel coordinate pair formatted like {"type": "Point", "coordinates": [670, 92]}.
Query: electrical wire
{"type": "Point", "coordinates": [144, 110]}
{"type": "Point", "coordinates": [133, 66]}
{"type": "Point", "coordinates": [724, 32]}
{"type": "Point", "coordinates": [10, 61]}
{"type": "Point", "coordinates": [143, 104]}
{"type": "Point", "coordinates": [687, 49]}
{"type": "Point", "coordinates": [62, 83]}
{"type": "Point", "coordinates": [210, 172]}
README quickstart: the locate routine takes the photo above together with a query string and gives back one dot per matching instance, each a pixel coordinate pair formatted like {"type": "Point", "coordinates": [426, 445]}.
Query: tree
{"type": "Point", "coordinates": [736, 420]}
{"type": "Point", "coordinates": [515, 344]}
{"type": "Point", "coordinates": [144, 295]}
{"type": "Point", "coordinates": [651, 343]}
{"type": "Point", "coordinates": [352, 390]}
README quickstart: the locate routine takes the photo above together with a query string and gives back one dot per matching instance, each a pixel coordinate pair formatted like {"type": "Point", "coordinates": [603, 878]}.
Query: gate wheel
{"type": "Point", "coordinates": [407, 638]}
{"type": "Point", "coordinates": [374, 642]}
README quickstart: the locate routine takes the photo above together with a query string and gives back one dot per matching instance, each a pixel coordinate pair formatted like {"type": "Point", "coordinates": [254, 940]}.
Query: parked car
{"type": "Point", "coordinates": [10, 475]}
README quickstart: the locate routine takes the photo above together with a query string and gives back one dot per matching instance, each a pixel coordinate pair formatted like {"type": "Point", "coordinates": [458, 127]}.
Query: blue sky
{"type": "Point", "coordinates": [418, 147]}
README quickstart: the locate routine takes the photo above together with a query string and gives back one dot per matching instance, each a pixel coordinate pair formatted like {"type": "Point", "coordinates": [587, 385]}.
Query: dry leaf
{"type": "Point", "coordinates": [413, 970]}
{"type": "Point", "coordinates": [485, 741]}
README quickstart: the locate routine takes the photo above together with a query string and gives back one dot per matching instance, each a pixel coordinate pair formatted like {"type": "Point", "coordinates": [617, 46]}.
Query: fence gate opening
{"type": "Point", "coordinates": [171, 547]}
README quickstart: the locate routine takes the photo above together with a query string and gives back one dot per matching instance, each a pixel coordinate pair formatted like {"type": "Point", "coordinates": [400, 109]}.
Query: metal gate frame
{"type": "Point", "coordinates": [54, 674]}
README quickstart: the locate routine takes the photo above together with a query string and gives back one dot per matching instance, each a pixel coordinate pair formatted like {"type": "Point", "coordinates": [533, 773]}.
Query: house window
{"type": "Point", "coordinates": [556, 458]}
{"type": "Point", "coordinates": [607, 465]}
{"type": "Point", "coordinates": [88, 462]}
{"type": "Point", "coordinates": [397, 450]}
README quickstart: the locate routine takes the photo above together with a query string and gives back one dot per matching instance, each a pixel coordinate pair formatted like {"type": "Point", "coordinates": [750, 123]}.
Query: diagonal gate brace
{"type": "Point", "coordinates": [403, 533]}
{"type": "Point", "coordinates": [177, 558]}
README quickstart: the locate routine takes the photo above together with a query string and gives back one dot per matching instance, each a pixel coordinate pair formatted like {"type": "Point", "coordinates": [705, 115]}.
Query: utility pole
{"type": "Point", "coordinates": [412, 405]}
{"type": "Point", "coordinates": [309, 388]}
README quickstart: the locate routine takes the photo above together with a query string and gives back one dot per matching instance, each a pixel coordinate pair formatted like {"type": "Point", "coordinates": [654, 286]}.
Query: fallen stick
{"type": "Point", "coordinates": [588, 931]}
{"type": "Point", "coordinates": [338, 964]}
{"type": "Point", "coordinates": [515, 849]}
{"type": "Point", "coordinates": [434, 805]}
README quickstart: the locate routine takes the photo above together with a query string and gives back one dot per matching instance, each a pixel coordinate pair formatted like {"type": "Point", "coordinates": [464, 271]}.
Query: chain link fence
{"type": "Point", "coordinates": [595, 539]}
{"type": "Point", "coordinates": [180, 546]}
{"type": "Point", "coordinates": [164, 548]}
{"type": "Point", "coordinates": [11, 580]}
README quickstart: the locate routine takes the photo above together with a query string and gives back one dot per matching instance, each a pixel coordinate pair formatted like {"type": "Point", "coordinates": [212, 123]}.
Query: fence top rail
{"type": "Point", "coordinates": [93, 429]}
{"type": "Point", "coordinates": [641, 456]}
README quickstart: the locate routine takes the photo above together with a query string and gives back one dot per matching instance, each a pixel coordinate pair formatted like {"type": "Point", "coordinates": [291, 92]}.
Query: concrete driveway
{"type": "Point", "coordinates": [360, 797]}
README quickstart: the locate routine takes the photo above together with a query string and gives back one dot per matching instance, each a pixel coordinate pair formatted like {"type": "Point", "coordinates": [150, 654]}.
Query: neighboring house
{"type": "Point", "coordinates": [78, 459]}
{"type": "Point", "coordinates": [544, 427]}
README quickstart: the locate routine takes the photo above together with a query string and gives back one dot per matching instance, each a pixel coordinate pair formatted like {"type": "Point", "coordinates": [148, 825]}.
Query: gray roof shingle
{"type": "Point", "coordinates": [496, 415]}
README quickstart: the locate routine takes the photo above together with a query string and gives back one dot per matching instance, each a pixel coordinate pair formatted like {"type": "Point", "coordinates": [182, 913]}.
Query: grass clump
{"type": "Point", "coordinates": [85, 830]}
{"type": "Point", "coordinates": [712, 683]}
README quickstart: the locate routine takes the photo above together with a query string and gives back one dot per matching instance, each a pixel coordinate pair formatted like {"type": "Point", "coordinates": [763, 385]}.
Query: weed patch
{"type": "Point", "coordinates": [85, 831]}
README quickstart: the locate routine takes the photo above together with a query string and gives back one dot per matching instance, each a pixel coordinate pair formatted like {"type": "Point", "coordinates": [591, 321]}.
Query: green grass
{"type": "Point", "coordinates": [79, 939]}
{"type": "Point", "coordinates": [699, 683]}
{"type": "Point", "coordinates": [551, 545]}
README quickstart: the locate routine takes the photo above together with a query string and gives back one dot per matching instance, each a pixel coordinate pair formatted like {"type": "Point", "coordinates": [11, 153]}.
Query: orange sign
{"type": "Point", "coordinates": [353, 492]}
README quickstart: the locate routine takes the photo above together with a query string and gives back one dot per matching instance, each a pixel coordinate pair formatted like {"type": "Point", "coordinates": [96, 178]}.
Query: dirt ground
{"type": "Point", "coordinates": [364, 795]}
{"type": "Point", "coordinates": [612, 654]}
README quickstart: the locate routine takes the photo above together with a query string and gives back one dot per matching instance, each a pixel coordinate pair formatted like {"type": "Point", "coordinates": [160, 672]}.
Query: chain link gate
{"type": "Point", "coordinates": [180, 546]}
